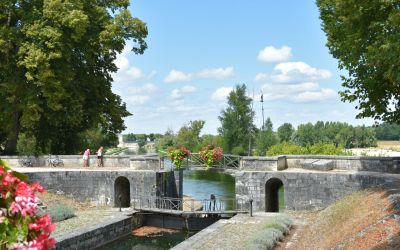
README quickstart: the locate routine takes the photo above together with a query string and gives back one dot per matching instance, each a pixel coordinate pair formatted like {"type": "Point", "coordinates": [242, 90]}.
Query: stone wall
{"type": "Point", "coordinates": [323, 163]}
{"type": "Point", "coordinates": [89, 238]}
{"type": "Point", "coordinates": [96, 186]}
{"type": "Point", "coordinates": [309, 190]}
{"type": "Point", "coordinates": [110, 161]}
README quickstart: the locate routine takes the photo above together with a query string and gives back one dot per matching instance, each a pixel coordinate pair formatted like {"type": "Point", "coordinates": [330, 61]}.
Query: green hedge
{"type": "Point", "coordinates": [289, 148]}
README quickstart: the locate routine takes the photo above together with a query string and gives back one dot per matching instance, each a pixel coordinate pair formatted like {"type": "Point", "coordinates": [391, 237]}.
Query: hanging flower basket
{"type": "Point", "coordinates": [178, 155]}
{"type": "Point", "coordinates": [211, 154]}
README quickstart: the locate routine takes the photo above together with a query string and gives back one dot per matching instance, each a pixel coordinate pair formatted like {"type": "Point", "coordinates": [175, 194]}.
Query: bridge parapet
{"type": "Point", "coordinates": [322, 163]}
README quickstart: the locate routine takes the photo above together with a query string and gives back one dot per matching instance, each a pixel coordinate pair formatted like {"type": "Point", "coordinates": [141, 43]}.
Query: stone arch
{"type": "Point", "coordinates": [122, 188]}
{"type": "Point", "coordinates": [272, 195]}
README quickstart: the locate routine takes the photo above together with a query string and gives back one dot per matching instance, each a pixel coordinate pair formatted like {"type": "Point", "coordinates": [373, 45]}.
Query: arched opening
{"type": "Point", "coordinates": [273, 191]}
{"type": "Point", "coordinates": [122, 192]}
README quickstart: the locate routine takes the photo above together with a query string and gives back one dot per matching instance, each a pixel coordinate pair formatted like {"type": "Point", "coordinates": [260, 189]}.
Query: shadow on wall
{"type": "Point", "coordinates": [272, 187]}
{"type": "Point", "coordinates": [122, 194]}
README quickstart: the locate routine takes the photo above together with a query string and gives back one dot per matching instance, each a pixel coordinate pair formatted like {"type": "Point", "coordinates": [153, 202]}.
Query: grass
{"type": "Point", "coordinates": [389, 145]}
{"type": "Point", "coordinates": [342, 222]}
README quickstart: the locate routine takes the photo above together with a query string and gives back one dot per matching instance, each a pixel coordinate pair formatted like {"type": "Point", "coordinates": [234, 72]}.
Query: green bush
{"type": "Point", "coordinates": [60, 212]}
{"type": "Point", "coordinates": [290, 148]}
{"type": "Point", "coordinates": [239, 150]}
{"type": "Point", "coordinates": [273, 231]}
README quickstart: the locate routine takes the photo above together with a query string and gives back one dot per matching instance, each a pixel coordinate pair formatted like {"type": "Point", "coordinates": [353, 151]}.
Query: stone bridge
{"type": "Point", "coordinates": [309, 182]}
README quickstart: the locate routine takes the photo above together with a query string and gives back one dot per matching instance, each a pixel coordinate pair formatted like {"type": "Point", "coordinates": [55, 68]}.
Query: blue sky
{"type": "Point", "coordinates": [199, 50]}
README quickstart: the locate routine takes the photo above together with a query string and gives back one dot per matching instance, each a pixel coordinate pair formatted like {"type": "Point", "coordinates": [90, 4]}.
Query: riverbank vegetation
{"type": "Point", "coordinates": [361, 220]}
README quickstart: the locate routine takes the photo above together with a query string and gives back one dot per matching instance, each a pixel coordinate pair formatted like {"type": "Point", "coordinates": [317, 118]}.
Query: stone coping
{"type": "Point", "coordinates": [333, 157]}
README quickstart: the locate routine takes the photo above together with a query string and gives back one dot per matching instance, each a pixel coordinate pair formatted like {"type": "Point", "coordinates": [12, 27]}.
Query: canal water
{"type": "Point", "coordinates": [197, 184]}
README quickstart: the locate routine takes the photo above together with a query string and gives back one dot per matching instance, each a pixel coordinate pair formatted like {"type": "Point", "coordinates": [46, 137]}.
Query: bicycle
{"type": "Point", "coordinates": [26, 161]}
{"type": "Point", "coordinates": [54, 161]}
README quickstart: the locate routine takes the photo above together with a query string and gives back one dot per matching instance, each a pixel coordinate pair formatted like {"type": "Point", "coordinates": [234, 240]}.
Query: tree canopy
{"type": "Point", "coordinates": [237, 121]}
{"type": "Point", "coordinates": [56, 61]}
{"type": "Point", "coordinates": [189, 135]}
{"type": "Point", "coordinates": [364, 36]}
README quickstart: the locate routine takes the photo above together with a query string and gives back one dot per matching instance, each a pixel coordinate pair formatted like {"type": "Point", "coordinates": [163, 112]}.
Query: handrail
{"type": "Point", "coordinates": [177, 204]}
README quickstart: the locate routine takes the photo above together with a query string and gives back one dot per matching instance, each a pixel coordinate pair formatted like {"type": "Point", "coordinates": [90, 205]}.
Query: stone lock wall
{"type": "Point", "coordinates": [309, 190]}
{"type": "Point", "coordinates": [110, 161]}
{"type": "Point", "coordinates": [98, 186]}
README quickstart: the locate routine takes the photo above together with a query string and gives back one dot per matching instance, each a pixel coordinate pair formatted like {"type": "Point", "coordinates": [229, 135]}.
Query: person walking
{"type": "Point", "coordinates": [86, 155]}
{"type": "Point", "coordinates": [100, 157]}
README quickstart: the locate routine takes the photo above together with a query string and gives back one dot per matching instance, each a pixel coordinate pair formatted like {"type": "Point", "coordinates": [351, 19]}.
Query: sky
{"type": "Point", "coordinates": [198, 51]}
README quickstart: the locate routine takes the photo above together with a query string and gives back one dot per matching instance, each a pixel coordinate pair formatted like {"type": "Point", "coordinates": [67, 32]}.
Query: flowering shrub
{"type": "Point", "coordinates": [211, 154]}
{"type": "Point", "coordinates": [20, 227]}
{"type": "Point", "coordinates": [177, 155]}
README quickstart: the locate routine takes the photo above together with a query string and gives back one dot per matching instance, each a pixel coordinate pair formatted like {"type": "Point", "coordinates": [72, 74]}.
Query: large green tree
{"type": "Point", "coordinates": [285, 132]}
{"type": "Point", "coordinates": [56, 61]}
{"type": "Point", "coordinates": [189, 135]}
{"type": "Point", "coordinates": [364, 36]}
{"type": "Point", "coordinates": [237, 126]}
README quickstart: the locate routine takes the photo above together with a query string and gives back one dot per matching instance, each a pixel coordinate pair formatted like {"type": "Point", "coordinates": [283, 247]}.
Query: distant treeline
{"type": "Point", "coordinates": [388, 132]}
{"type": "Point", "coordinates": [309, 136]}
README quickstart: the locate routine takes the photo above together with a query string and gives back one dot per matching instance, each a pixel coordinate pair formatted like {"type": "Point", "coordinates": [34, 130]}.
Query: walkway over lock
{"type": "Point", "coordinates": [194, 160]}
{"type": "Point", "coordinates": [180, 206]}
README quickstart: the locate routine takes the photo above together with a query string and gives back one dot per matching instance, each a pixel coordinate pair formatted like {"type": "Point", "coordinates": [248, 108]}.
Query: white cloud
{"type": "Point", "coordinates": [137, 99]}
{"type": "Point", "coordinates": [261, 77]}
{"type": "Point", "coordinates": [298, 71]}
{"type": "Point", "coordinates": [299, 93]}
{"type": "Point", "coordinates": [272, 54]}
{"type": "Point", "coordinates": [178, 93]}
{"type": "Point", "coordinates": [219, 73]}
{"type": "Point", "coordinates": [221, 94]}
{"type": "Point", "coordinates": [177, 76]}
{"type": "Point", "coordinates": [316, 96]}
{"type": "Point", "coordinates": [134, 73]}
{"type": "Point", "coordinates": [147, 88]}
{"type": "Point", "coordinates": [188, 89]}
{"type": "Point", "coordinates": [127, 72]}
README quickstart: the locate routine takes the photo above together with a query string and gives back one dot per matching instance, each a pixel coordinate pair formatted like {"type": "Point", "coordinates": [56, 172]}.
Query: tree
{"type": "Point", "coordinates": [166, 141]}
{"type": "Point", "coordinates": [364, 36]}
{"type": "Point", "coordinates": [265, 138]}
{"type": "Point", "coordinates": [56, 61]}
{"type": "Point", "coordinates": [237, 120]}
{"type": "Point", "coordinates": [285, 132]}
{"type": "Point", "coordinates": [189, 135]}
{"type": "Point", "coordinates": [388, 131]}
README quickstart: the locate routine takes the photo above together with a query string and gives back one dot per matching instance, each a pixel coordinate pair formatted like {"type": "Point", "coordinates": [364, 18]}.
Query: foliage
{"type": "Point", "coordinates": [273, 231]}
{"type": "Point", "coordinates": [166, 141]}
{"type": "Point", "coordinates": [288, 148]}
{"type": "Point", "coordinates": [364, 36]}
{"type": "Point", "coordinates": [239, 150]}
{"type": "Point", "coordinates": [60, 212]}
{"type": "Point", "coordinates": [27, 145]}
{"type": "Point", "coordinates": [388, 131]}
{"type": "Point", "coordinates": [95, 138]}
{"type": "Point", "coordinates": [20, 226]}
{"type": "Point", "coordinates": [285, 132]}
{"type": "Point", "coordinates": [337, 133]}
{"type": "Point", "coordinates": [57, 60]}
{"type": "Point", "coordinates": [177, 155]}
{"type": "Point", "coordinates": [211, 154]}
{"type": "Point", "coordinates": [114, 151]}
{"type": "Point", "coordinates": [208, 139]}
{"type": "Point", "coordinates": [189, 135]}
{"type": "Point", "coordinates": [265, 138]}
{"type": "Point", "coordinates": [237, 120]}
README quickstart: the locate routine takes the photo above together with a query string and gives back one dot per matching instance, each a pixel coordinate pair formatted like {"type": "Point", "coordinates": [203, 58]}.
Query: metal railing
{"type": "Point", "coordinates": [219, 205]}
{"type": "Point", "coordinates": [194, 160]}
